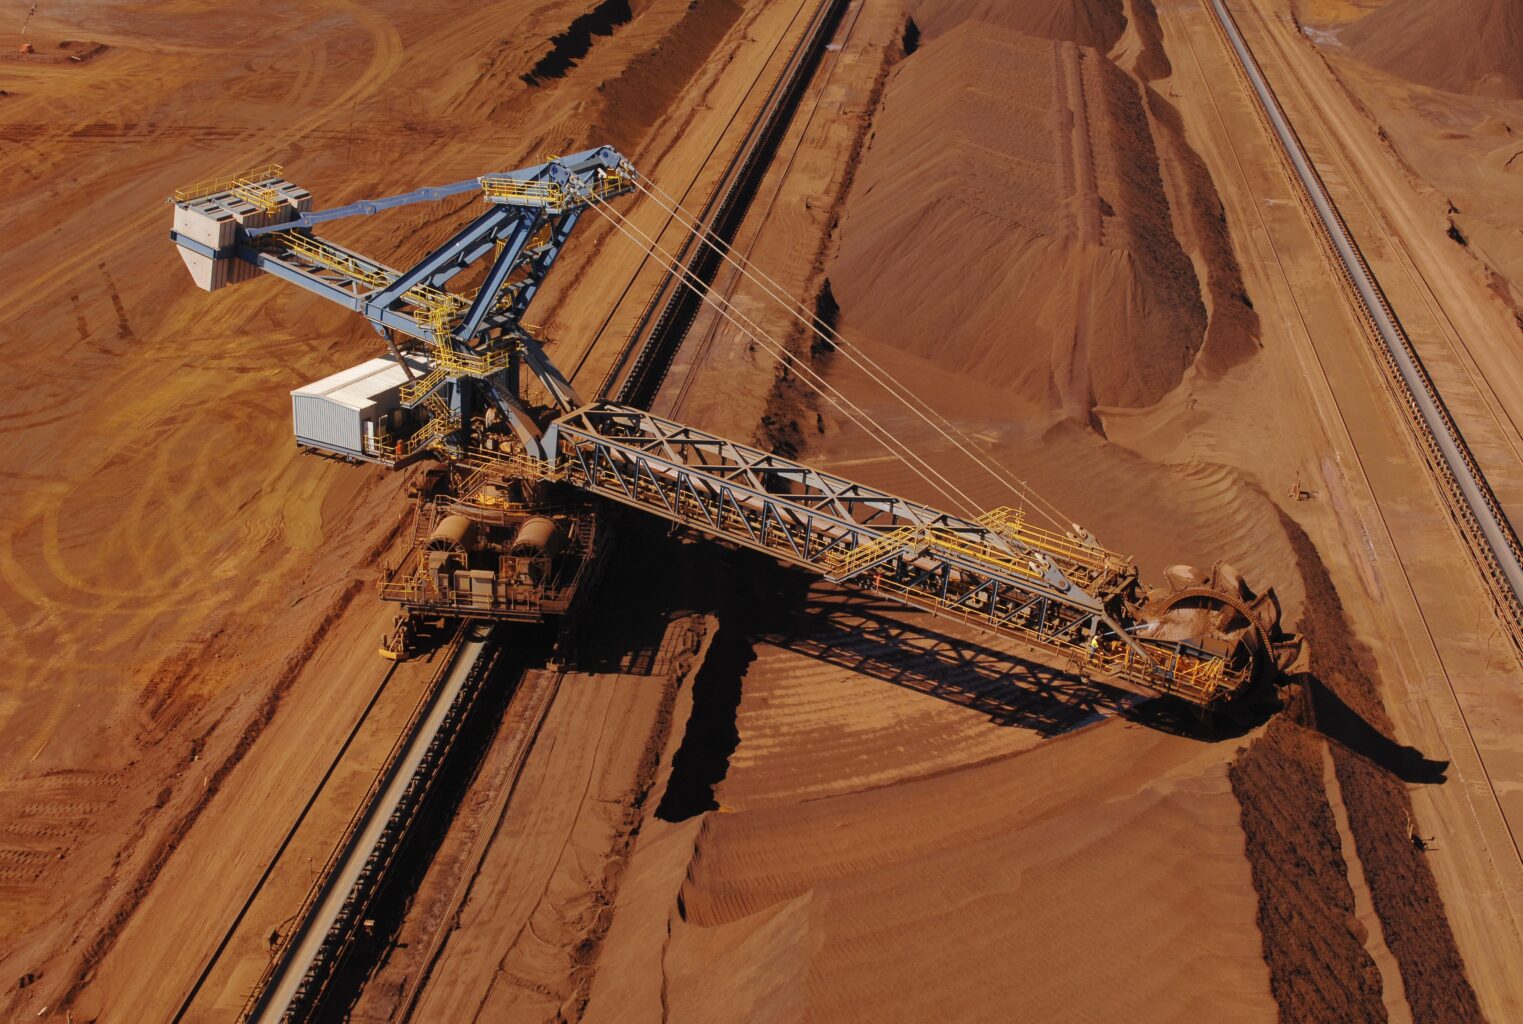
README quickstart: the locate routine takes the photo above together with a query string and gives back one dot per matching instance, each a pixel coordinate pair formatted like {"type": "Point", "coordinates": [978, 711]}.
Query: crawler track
{"type": "Point", "coordinates": [1470, 500]}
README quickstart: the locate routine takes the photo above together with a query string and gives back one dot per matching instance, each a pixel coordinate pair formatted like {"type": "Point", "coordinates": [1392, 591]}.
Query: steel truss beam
{"type": "Point", "coordinates": [799, 515]}
{"type": "Point", "coordinates": [858, 513]}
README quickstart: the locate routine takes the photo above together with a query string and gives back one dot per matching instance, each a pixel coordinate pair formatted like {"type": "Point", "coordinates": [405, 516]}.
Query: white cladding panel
{"type": "Point", "coordinates": [332, 413]}
{"type": "Point", "coordinates": [212, 226]}
{"type": "Point", "coordinates": [213, 221]}
{"type": "Point", "coordinates": [325, 424]}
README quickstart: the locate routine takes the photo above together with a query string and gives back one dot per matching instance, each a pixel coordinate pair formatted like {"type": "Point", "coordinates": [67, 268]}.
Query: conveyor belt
{"type": "Point", "coordinates": [298, 975]}
{"type": "Point", "coordinates": [1489, 534]}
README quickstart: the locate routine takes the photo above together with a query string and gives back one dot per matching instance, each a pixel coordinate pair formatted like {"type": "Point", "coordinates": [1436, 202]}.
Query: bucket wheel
{"type": "Point", "coordinates": [1218, 612]}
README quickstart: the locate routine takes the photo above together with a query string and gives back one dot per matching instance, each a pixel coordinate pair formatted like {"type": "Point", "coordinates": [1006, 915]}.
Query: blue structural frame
{"type": "Point", "coordinates": [530, 215]}
{"type": "Point", "coordinates": [1062, 593]}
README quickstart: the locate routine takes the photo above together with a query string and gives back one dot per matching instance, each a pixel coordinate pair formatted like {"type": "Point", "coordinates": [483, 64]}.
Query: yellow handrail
{"type": "Point", "coordinates": [411, 390]}
{"type": "Point", "coordinates": [1011, 524]}
{"type": "Point", "coordinates": [863, 555]}
{"type": "Point", "coordinates": [988, 554]}
{"type": "Point", "coordinates": [333, 259]}
{"type": "Point", "coordinates": [385, 446]}
{"type": "Point", "coordinates": [212, 186]}
{"type": "Point", "coordinates": [547, 192]}
{"type": "Point", "coordinates": [945, 540]}
{"type": "Point", "coordinates": [508, 464]}
{"type": "Point", "coordinates": [438, 305]}
{"type": "Point", "coordinates": [550, 193]}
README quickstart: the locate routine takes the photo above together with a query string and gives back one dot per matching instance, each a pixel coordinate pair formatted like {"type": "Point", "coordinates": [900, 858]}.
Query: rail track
{"type": "Point", "coordinates": [297, 977]}
{"type": "Point", "coordinates": [331, 917]}
{"type": "Point", "coordinates": [1469, 763]}
{"type": "Point", "coordinates": [705, 343]}
{"type": "Point", "coordinates": [530, 719]}
{"type": "Point", "coordinates": [653, 342]}
{"type": "Point", "coordinates": [597, 336]}
{"type": "Point", "coordinates": [1468, 497]}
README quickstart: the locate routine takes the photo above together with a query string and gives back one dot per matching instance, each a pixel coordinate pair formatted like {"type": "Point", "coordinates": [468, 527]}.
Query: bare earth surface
{"type": "Point", "coordinates": [751, 797]}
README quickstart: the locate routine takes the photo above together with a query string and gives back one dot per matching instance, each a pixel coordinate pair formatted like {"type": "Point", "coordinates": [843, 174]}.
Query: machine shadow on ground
{"type": "Point", "coordinates": [894, 645]}
{"type": "Point", "coordinates": [761, 602]}
{"type": "Point", "coordinates": [1343, 725]}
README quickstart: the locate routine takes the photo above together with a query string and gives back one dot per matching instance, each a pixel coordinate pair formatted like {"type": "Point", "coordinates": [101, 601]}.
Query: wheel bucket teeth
{"type": "Point", "coordinates": [1266, 611]}
{"type": "Point", "coordinates": [1228, 580]}
{"type": "Point", "coordinates": [1183, 577]}
{"type": "Point", "coordinates": [1287, 651]}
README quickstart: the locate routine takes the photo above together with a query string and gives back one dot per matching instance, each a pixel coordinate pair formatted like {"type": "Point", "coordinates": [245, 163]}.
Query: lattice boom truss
{"type": "Point", "coordinates": [1059, 592]}
{"type": "Point", "coordinates": [973, 570]}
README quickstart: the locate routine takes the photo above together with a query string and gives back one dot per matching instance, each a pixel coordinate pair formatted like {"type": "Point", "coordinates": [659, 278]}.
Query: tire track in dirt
{"type": "Point", "coordinates": [384, 61]}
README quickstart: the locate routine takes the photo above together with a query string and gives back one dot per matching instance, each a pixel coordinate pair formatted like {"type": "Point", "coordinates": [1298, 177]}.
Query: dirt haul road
{"type": "Point", "coordinates": [1083, 252]}
{"type": "Point", "coordinates": [169, 562]}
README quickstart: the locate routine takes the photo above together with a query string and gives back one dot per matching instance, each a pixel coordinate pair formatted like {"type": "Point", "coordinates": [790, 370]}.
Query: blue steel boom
{"type": "Point", "coordinates": [464, 400]}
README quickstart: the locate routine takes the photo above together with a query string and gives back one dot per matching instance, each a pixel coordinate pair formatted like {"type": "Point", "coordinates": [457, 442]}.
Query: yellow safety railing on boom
{"type": "Point", "coordinates": [943, 540]}
{"type": "Point", "coordinates": [439, 307]}
{"type": "Point", "coordinates": [325, 255]}
{"type": "Point", "coordinates": [609, 183]}
{"type": "Point", "coordinates": [552, 194]}
{"type": "Point", "coordinates": [1200, 680]}
{"type": "Point", "coordinates": [1011, 524]}
{"type": "Point", "coordinates": [547, 193]}
{"type": "Point", "coordinates": [983, 552]}
{"type": "Point", "coordinates": [863, 555]}
{"type": "Point", "coordinates": [210, 187]}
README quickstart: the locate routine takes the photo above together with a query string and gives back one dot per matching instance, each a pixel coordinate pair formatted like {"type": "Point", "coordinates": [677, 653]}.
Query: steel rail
{"type": "Point", "coordinates": [629, 284]}
{"type": "Point", "coordinates": [706, 341]}
{"type": "Point", "coordinates": [643, 365]}
{"type": "Point", "coordinates": [369, 842]}
{"type": "Point", "coordinates": [528, 729]}
{"type": "Point", "coordinates": [1469, 497]}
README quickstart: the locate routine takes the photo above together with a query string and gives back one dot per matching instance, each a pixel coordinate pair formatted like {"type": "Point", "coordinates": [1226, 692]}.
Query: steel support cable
{"type": "Point", "coordinates": [852, 411]}
{"type": "Point", "coordinates": [812, 377]}
{"type": "Point", "coordinates": [874, 370]}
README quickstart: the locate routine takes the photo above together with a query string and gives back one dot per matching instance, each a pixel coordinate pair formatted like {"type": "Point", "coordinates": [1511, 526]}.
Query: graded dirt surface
{"type": "Point", "coordinates": [752, 796]}
{"type": "Point", "coordinates": [791, 907]}
{"type": "Point", "coordinates": [169, 562]}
